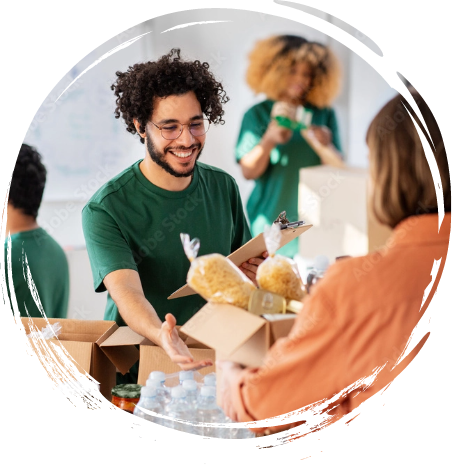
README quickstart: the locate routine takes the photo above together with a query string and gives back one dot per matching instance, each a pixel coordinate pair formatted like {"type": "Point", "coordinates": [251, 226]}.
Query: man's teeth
{"type": "Point", "coordinates": [182, 154]}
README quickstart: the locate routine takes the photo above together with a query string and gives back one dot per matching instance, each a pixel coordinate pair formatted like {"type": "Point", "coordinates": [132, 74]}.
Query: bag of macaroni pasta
{"type": "Point", "coordinates": [279, 274]}
{"type": "Point", "coordinates": [215, 278]}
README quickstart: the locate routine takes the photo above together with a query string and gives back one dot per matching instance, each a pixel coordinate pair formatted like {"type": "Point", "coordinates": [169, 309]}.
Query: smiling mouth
{"type": "Point", "coordinates": [183, 153]}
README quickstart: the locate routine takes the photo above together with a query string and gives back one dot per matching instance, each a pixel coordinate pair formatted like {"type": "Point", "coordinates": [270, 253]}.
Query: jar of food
{"type": "Point", "coordinates": [126, 396]}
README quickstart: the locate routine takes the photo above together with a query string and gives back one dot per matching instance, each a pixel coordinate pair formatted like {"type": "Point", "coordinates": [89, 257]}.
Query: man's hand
{"type": "Point", "coordinates": [229, 378]}
{"type": "Point", "coordinates": [250, 267]}
{"type": "Point", "coordinates": [176, 348]}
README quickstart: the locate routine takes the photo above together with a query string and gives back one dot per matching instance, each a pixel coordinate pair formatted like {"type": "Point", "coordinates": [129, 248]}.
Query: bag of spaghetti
{"type": "Point", "coordinates": [215, 278]}
{"type": "Point", "coordinates": [276, 273]}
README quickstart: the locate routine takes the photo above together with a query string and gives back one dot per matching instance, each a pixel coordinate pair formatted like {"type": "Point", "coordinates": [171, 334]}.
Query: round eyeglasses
{"type": "Point", "coordinates": [172, 131]}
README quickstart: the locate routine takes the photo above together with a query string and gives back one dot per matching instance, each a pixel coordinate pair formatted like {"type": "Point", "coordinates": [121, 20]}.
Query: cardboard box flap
{"type": "Point", "coordinates": [120, 348]}
{"type": "Point", "coordinates": [280, 327]}
{"type": "Point", "coordinates": [215, 325]}
{"type": "Point", "coordinates": [253, 248]}
{"type": "Point", "coordinates": [71, 329]}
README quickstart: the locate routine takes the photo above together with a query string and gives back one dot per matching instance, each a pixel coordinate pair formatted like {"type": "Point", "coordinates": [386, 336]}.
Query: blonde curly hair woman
{"type": "Point", "coordinates": [291, 72]}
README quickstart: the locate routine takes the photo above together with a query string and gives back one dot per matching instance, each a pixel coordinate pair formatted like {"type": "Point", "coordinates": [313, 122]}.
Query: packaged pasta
{"type": "Point", "coordinates": [215, 277]}
{"type": "Point", "coordinates": [279, 274]}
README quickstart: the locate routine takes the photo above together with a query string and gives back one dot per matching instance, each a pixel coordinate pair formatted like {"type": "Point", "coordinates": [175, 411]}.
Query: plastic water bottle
{"type": "Point", "coordinates": [209, 412]}
{"type": "Point", "coordinates": [179, 409]}
{"type": "Point", "coordinates": [159, 375]}
{"type": "Point", "coordinates": [245, 433]}
{"type": "Point", "coordinates": [316, 274]}
{"type": "Point", "coordinates": [185, 375]}
{"type": "Point", "coordinates": [148, 401]}
{"type": "Point", "coordinates": [210, 379]}
{"type": "Point", "coordinates": [229, 433]}
{"type": "Point", "coordinates": [191, 391]}
{"type": "Point", "coordinates": [163, 393]}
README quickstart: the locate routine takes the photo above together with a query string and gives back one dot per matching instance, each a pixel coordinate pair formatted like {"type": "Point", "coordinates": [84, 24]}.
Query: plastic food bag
{"type": "Point", "coordinates": [49, 332]}
{"type": "Point", "coordinates": [279, 274]}
{"type": "Point", "coordinates": [215, 277]}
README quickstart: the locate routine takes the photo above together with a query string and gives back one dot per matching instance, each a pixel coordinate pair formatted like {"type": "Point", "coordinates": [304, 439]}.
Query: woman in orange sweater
{"type": "Point", "coordinates": [357, 321]}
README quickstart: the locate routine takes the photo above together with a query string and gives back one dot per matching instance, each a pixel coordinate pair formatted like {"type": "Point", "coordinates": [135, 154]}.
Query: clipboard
{"type": "Point", "coordinates": [253, 248]}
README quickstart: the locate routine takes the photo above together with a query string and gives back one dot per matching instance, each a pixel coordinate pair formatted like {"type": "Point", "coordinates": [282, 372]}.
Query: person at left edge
{"type": "Point", "coordinates": [132, 224]}
{"type": "Point", "coordinates": [37, 260]}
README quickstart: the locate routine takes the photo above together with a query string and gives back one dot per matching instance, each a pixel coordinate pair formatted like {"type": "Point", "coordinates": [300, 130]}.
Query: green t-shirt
{"type": "Point", "coordinates": [48, 269]}
{"type": "Point", "coordinates": [277, 189]}
{"type": "Point", "coordinates": [130, 223]}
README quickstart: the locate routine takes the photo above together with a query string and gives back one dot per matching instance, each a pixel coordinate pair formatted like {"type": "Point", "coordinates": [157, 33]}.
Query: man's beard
{"type": "Point", "coordinates": [159, 157]}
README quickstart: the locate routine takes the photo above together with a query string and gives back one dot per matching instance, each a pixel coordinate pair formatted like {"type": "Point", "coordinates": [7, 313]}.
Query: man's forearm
{"type": "Point", "coordinates": [139, 314]}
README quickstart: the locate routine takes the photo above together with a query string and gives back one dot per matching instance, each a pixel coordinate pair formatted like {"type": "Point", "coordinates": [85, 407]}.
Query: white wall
{"type": "Point", "coordinates": [83, 144]}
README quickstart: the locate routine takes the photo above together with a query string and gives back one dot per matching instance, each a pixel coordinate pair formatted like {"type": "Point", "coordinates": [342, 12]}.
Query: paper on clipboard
{"type": "Point", "coordinates": [253, 248]}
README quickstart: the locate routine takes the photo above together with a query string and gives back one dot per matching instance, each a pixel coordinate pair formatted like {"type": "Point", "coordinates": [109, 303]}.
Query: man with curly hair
{"type": "Point", "coordinates": [298, 78]}
{"type": "Point", "coordinates": [132, 225]}
{"type": "Point", "coordinates": [37, 260]}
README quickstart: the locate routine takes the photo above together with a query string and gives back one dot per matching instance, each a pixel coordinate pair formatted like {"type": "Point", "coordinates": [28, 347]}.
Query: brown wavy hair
{"type": "Point", "coordinates": [402, 183]}
{"type": "Point", "coordinates": [271, 60]}
{"type": "Point", "coordinates": [137, 88]}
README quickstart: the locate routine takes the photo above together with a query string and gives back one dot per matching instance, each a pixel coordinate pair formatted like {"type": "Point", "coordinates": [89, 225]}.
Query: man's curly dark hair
{"type": "Point", "coordinates": [28, 181]}
{"type": "Point", "coordinates": [137, 88]}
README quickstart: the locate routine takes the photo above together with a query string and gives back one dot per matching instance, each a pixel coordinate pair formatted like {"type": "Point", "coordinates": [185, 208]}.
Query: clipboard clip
{"type": "Point", "coordinates": [293, 225]}
{"type": "Point", "coordinates": [284, 222]}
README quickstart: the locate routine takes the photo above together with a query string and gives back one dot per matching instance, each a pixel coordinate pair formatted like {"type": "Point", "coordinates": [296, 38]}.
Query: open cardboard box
{"type": "Point", "coordinates": [237, 335]}
{"type": "Point", "coordinates": [253, 248]}
{"type": "Point", "coordinates": [98, 349]}
{"type": "Point", "coordinates": [82, 340]}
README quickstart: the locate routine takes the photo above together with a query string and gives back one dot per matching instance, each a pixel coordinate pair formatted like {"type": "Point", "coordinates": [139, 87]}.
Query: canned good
{"type": "Point", "coordinates": [126, 396]}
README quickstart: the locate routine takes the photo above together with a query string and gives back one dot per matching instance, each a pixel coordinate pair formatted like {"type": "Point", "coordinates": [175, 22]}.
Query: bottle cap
{"type": "Point", "coordinates": [210, 379]}
{"type": "Point", "coordinates": [183, 375]}
{"type": "Point", "coordinates": [158, 375]}
{"type": "Point", "coordinates": [208, 391]}
{"type": "Point", "coordinates": [148, 391]}
{"type": "Point", "coordinates": [189, 385]}
{"type": "Point", "coordinates": [155, 383]}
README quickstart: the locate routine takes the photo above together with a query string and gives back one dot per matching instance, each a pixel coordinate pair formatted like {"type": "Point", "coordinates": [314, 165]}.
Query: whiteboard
{"type": "Point", "coordinates": [82, 144]}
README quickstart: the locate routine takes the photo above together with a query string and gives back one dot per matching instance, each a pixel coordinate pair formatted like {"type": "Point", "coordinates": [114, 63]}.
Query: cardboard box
{"type": "Point", "coordinates": [236, 334]}
{"type": "Point", "coordinates": [82, 340]}
{"type": "Point", "coordinates": [335, 202]}
{"type": "Point", "coordinates": [154, 358]}
{"type": "Point", "coordinates": [100, 348]}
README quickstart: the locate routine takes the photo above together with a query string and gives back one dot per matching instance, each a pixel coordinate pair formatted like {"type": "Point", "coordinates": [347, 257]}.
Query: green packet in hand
{"type": "Point", "coordinates": [302, 120]}
{"type": "Point", "coordinates": [290, 124]}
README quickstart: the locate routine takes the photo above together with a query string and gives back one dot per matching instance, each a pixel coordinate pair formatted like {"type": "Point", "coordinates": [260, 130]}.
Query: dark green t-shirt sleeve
{"type": "Point", "coordinates": [333, 126]}
{"type": "Point", "coordinates": [250, 134]}
{"type": "Point", "coordinates": [242, 232]}
{"type": "Point", "coordinates": [107, 248]}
